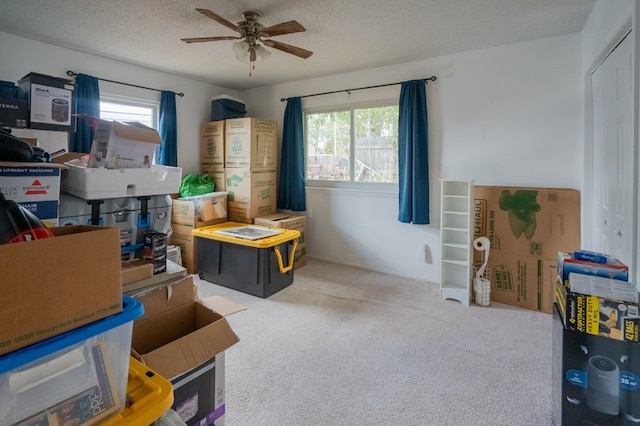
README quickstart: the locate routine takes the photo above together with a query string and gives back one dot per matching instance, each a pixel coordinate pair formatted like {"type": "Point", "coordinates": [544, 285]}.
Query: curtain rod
{"type": "Point", "coordinates": [71, 74]}
{"type": "Point", "coordinates": [432, 78]}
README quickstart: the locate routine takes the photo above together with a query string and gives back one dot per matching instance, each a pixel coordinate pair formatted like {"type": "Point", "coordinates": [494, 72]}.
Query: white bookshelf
{"type": "Point", "coordinates": [456, 234]}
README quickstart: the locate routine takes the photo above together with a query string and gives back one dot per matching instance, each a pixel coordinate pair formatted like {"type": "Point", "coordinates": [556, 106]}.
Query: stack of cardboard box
{"type": "Point", "coordinates": [241, 154]}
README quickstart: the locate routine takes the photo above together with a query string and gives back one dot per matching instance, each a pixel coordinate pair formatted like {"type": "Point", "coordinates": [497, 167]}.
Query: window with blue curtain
{"type": "Point", "coordinates": [291, 185]}
{"type": "Point", "coordinates": [86, 95]}
{"type": "Point", "coordinates": [168, 151]}
{"type": "Point", "coordinates": [413, 153]}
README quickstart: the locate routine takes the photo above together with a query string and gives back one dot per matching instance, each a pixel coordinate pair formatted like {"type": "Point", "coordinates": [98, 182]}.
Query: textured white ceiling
{"type": "Point", "coordinates": [345, 35]}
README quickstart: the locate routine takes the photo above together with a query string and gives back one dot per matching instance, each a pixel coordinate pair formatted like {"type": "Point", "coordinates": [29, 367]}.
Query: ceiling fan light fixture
{"type": "Point", "coordinates": [261, 53]}
{"type": "Point", "coordinates": [241, 50]}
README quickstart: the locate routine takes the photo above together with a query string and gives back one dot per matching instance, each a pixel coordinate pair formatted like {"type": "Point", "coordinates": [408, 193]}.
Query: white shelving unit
{"type": "Point", "coordinates": [456, 235]}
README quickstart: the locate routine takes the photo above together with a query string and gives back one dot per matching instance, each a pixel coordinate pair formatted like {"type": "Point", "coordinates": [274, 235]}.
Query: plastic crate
{"type": "Point", "coordinates": [259, 267]}
{"type": "Point", "coordinates": [224, 106]}
{"type": "Point", "coordinates": [58, 378]}
{"type": "Point", "coordinates": [98, 183]}
{"type": "Point", "coordinates": [149, 396]}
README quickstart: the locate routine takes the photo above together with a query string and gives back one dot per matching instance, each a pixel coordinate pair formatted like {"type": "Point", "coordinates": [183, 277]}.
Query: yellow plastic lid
{"type": "Point", "coordinates": [210, 232]}
{"type": "Point", "coordinates": [149, 396]}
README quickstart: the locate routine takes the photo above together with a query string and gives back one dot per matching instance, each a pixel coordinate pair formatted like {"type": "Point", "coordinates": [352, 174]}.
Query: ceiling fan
{"type": "Point", "coordinates": [251, 32]}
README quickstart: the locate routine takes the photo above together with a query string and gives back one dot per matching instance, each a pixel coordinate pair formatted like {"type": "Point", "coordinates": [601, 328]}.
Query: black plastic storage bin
{"type": "Point", "coordinates": [250, 266]}
{"type": "Point", "coordinates": [223, 107]}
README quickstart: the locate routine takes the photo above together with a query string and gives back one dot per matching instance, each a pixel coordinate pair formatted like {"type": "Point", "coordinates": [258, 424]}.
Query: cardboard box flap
{"type": "Point", "coordinates": [275, 216]}
{"type": "Point", "coordinates": [170, 297]}
{"type": "Point", "coordinates": [191, 350]}
{"type": "Point", "coordinates": [222, 306]}
{"type": "Point", "coordinates": [136, 133]}
{"type": "Point", "coordinates": [63, 157]}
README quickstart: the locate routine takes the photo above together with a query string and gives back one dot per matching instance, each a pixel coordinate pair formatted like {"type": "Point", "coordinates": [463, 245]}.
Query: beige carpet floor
{"type": "Point", "coordinates": [346, 346]}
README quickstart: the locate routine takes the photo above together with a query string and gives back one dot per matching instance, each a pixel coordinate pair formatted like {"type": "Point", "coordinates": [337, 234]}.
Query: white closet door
{"type": "Point", "coordinates": [613, 154]}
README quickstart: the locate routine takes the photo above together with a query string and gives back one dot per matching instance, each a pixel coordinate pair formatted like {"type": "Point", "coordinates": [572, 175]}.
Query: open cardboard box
{"type": "Point", "coordinates": [118, 145]}
{"type": "Point", "coordinates": [178, 332]}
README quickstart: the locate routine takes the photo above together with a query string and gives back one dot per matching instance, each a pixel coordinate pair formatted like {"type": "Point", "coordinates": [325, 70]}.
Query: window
{"type": "Point", "coordinates": [125, 109]}
{"type": "Point", "coordinates": [353, 147]}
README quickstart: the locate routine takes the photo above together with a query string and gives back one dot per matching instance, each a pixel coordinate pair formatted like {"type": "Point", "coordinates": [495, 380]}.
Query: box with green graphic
{"type": "Point", "coordinates": [250, 193]}
{"type": "Point", "coordinates": [251, 142]}
{"type": "Point", "coordinates": [528, 221]}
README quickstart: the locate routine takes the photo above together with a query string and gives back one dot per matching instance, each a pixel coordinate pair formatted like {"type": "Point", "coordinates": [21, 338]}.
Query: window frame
{"type": "Point", "coordinates": [136, 102]}
{"type": "Point", "coordinates": [351, 185]}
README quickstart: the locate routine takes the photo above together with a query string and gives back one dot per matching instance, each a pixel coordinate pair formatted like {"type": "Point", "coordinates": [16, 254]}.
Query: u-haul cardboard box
{"type": "Point", "coordinates": [119, 145]}
{"type": "Point", "coordinates": [288, 221]}
{"type": "Point", "coordinates": [528, 221]}
{"type": "Point", "coordinates": [251, 142]}
{"type": "Point", "coordinates": [527, 227]}
{"type": "Point", "coordinates": [212, 144]}
{"type": "Point", "coordinates": [250, 193]}
{"type": "Point", "coordinates": [217, 174]}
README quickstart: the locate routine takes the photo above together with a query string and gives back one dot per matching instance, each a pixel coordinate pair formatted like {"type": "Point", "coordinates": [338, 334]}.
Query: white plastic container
{"type": "Point", "coordinates": [80, 374]}
{"type": "Point", "coordinates": [98, 184]}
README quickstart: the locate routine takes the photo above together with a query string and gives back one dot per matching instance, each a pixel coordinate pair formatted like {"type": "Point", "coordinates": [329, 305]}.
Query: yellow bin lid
{"type": "Point", "coordinates": [149, 396]}
{"type": "Point", "coordinates": [249, 231]}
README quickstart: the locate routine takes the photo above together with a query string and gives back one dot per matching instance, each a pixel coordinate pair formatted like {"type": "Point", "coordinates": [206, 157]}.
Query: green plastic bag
{"type": "Point", "coordinates": [194, 184]}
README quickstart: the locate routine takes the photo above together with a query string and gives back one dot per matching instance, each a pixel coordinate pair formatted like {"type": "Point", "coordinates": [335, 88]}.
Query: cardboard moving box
{"type": "Point", "coordinates": [57, 284]}
{"type": "Point", "coordinates": [288, 221]}
{"type": "Point", "coordinates": [119, 145]}
{"type": "Point", "coordinates": [212, 144]}
{"type": "Point", "coordinates": [528, 221]}
{"type": "Point", "coordinates": [527, 227]}
{"type": "Point", "coordinates": [251, 142]}
{"type": "Point", "coordinates": [178, 332]}
{"type": "Point", "coordinates": [250, 193]}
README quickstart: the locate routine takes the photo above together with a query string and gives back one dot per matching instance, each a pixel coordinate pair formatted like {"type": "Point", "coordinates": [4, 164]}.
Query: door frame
{"type": "Point", "coordinates": [588, 184]}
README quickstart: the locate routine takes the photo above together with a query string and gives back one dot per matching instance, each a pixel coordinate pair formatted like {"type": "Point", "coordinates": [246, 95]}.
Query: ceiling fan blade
{"type": "Point", "coordinates": [283, 28]}
{"type": "Point", "coordinates": [219, 19]}
{"type": "Point", "coordinates": [297, 51]}
{"type": "Point", "coordinates": [201, 39]}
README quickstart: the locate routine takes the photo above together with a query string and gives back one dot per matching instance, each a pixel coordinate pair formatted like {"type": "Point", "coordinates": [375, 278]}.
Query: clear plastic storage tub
{"type": "Point", "coordinates": [79, 376]}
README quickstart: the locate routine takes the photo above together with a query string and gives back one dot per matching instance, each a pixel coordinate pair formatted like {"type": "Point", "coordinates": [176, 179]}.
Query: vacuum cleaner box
{"type": "Point", "coordinates": [178, 332]}
{"type": "Point", "coordinates": [595, 379]}
{"type": "Point", "coordinates": [57, 284]}
{"type": "Point", "coordinates": [35, 186]}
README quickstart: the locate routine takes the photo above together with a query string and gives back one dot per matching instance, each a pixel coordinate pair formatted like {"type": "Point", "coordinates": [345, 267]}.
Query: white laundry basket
{"type": "Point", "coordinates": [482, 288]}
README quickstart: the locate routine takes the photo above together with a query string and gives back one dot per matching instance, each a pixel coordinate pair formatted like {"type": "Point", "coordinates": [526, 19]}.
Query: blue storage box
{"type": "Point", "coordinates": [80, 375]}
{"type": "Point", "coordinates": [9, 90]}
{"type": "Point", "coordinates": [224, 106]}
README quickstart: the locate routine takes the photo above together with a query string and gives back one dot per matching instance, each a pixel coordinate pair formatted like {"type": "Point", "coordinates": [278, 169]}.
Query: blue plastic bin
{"type": "Point", "coordinates": [224, 107]}
{"type": "Point", "coordinates": [62, 376]}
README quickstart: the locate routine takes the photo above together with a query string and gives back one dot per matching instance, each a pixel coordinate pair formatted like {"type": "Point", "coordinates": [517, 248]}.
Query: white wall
{"type": "Point", "coordinates": [510, 115]}
{"type": "Point", "coordinates": [21, 56]}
